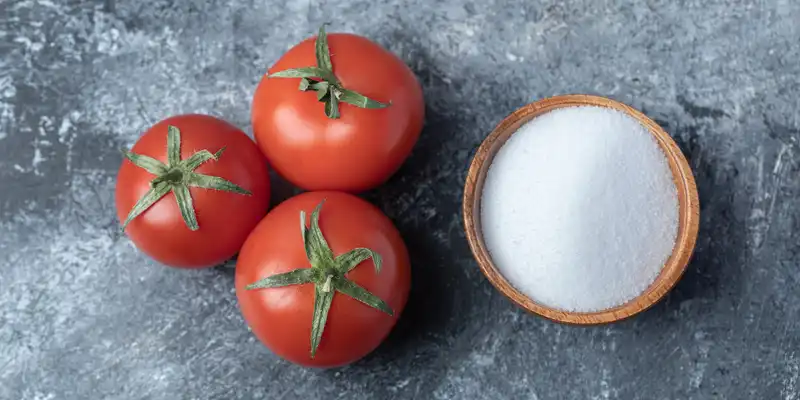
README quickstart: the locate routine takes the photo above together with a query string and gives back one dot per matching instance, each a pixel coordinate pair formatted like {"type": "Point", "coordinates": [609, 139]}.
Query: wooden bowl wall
{"type": "Point", "coordinates": [689, 212]}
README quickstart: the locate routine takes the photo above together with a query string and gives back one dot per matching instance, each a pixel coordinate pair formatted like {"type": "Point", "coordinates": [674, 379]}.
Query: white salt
{"type": "Point", "coordinates": [579, 210]}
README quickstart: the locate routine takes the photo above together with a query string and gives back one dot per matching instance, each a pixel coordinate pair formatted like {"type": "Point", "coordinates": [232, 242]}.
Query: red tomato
{"type": "Point", "coordinates": [357, 151]}
{"type": "Point", "coordinates": [224, 219]}
{"type": "Point", "coordinates": [281, 317]}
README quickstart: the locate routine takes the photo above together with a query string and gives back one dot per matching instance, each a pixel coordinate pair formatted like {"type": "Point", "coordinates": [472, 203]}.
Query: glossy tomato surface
{"type": "Point", "coordinates": [281, 317]}
{"type": "Point", "coordinates": [362, 148]}
{"type": "Point", "coordinates": [225, 219]}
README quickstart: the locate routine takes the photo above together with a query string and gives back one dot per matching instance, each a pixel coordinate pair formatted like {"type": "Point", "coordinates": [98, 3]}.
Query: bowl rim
{"type": "Point", "coordinates": [688, 211]}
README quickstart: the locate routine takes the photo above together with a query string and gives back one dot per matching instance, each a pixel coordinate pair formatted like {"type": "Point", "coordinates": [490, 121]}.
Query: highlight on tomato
{"type": "Point", "coordinates": [190, 191]}
{"type": "Point", "coordinates": [337, 112]}
{"type": "Point", "coordinates": [323, 291]}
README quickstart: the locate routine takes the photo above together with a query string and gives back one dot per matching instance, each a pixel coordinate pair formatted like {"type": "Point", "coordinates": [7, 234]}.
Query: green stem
{"type": "Point", "coordinates": [177, 176]}
{"type": "Point", "coordinates": [174, 176]}
{"type": "Point", "coordinates": [327, 274]}
{"type": "Point", "coordinates": [326, 287]}
{"type": "Point", "coordinates": [328, 88]}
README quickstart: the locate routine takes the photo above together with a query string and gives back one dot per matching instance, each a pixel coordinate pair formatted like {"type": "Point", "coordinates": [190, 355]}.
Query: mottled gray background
{"type": "Point", "coordinates": [85, 316]}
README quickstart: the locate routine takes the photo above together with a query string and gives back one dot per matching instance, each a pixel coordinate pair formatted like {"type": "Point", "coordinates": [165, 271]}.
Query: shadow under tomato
{"type": "Point", "coordinates": [424, 200]}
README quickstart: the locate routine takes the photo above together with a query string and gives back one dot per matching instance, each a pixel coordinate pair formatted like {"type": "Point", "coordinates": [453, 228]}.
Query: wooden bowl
{"type": "Point", "coordinates": [689, 212]}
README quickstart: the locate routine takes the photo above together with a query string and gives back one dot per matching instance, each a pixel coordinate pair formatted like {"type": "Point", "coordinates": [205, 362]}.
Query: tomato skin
{"type": "Point", "coordinates": [225, 219]}
{"type": "Point", "coordinates": [356, 152]}
{"type": "Point", "coordinates": [281, 317]}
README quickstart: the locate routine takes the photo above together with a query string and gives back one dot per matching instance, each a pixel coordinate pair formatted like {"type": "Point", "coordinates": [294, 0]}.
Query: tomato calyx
{"type": "Point", "coordinates": [324, 82]}
{"type": "Point", "coordinates": [177, 176]}
{"type": "Point", "coordinates": [327, 273]}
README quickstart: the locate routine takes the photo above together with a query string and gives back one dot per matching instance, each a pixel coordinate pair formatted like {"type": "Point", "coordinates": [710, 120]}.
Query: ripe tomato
{"type": "Point", "coordinates": [280, 309]}
{"type": "Point", "coordinates": [357, 148]}
{"type": "Point", "coordinates": [224, 193]}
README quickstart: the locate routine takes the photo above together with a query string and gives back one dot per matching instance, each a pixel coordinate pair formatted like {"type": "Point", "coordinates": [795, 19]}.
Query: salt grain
{"type": "Point", "coordinates": [579, 210]}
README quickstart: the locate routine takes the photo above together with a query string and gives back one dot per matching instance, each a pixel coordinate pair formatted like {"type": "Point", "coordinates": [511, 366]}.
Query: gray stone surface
{"type": "Point", "coordinates": [85, 316]}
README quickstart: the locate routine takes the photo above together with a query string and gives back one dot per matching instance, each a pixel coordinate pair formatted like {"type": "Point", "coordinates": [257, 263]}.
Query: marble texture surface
{"type": "Point", "coordinates": [83, 315]}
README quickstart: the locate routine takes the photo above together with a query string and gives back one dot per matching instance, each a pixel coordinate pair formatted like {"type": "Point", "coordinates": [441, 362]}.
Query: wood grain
{"type": "Point", "coordinates": [689, 212]}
